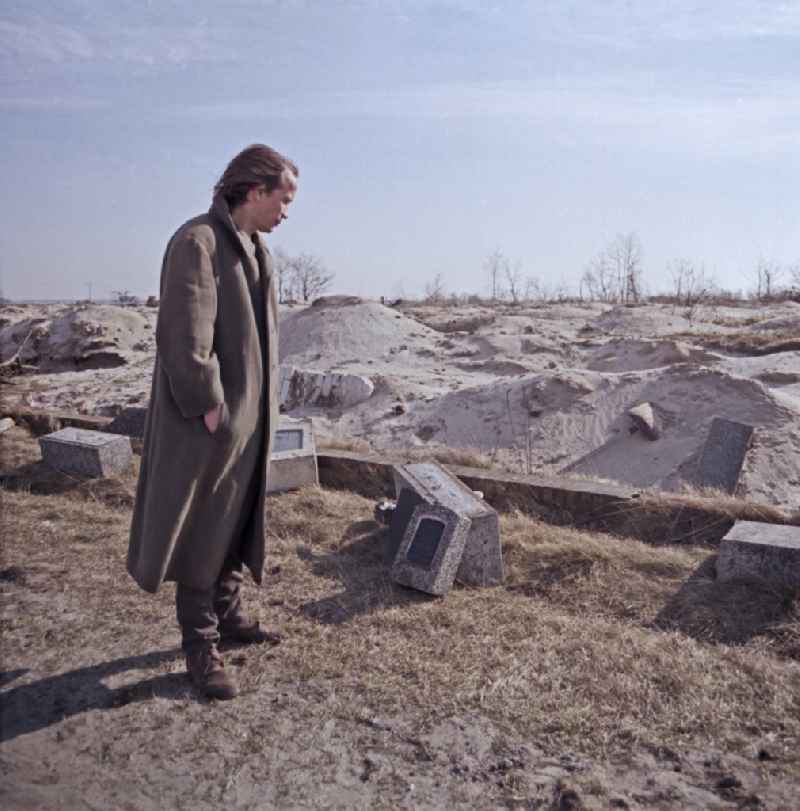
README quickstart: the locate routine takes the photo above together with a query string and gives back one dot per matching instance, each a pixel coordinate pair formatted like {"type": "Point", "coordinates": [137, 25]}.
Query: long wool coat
{"type": "Point", "coordinates": [216, 342]}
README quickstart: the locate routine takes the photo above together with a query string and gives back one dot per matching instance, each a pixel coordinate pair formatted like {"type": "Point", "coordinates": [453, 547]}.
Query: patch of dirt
{"type": "Point", "coordinates": [559, 689]}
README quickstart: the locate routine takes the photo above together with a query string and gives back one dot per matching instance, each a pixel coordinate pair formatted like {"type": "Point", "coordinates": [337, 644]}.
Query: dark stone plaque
{"type": "Point", "coordinates": [422, 549]}
{"type": "Point", "coordinates": [723, 455]}
{"type": "Point", "coordinates": [288, 439]}
{"type": "Point", "coordinates": [129, 422]}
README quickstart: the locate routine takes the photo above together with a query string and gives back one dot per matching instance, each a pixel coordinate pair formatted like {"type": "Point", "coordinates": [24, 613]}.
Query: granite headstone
{"type": "Point", "coordinates": [723, 455]}
{"type": "Point", "coordinates": [431, 549]}
{"type": "Point", "coordinates": [85, 452]}
{"type": "Point", "coordinates": [768, 551]}
{"type": "Point", "coordinates": [481, 562]}
{"type": "Point", "coordinates": [294, 456]}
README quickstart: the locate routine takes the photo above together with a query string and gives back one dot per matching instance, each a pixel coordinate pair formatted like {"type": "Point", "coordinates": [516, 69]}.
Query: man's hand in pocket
{"type": "Point", "coordinates": [211, 418]}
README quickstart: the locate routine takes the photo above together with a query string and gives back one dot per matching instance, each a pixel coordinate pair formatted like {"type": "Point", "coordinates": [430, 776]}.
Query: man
{"type": "Point", "coordinates": [199, 512]}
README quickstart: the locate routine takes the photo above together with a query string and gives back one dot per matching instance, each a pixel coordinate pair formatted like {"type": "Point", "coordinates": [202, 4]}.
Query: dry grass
{"type": "Point", "coordinates": [747, 321]}
{"type": "Point", "coordinates": [464, 457]}
{"type": "Point", "coordinates": [570, 653]}
{"type": "Point", "coordinates": [715, 501]}
{"type": "Point", "coordinates": [574, 605]}
{"type": "Point", "coordinates": [347, 444]}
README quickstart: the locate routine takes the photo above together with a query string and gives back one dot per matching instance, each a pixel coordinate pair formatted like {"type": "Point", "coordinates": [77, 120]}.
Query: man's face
{"type": "Point", "coordinates": [271, 208]}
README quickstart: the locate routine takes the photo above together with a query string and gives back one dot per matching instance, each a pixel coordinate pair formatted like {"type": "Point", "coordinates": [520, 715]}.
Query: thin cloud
{"type": "Point", "coordinates": [37, 39]}
{"type": "Point", "coordinates": [733, 118]}
{"type": "Point", "coordinates": [49, 103]}
{"type": "Point", "coordinates": [42, 40]}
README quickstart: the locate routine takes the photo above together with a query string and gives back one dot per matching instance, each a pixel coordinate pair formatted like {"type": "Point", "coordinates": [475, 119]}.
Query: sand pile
{"type": "Point", "coordinates": [94, 336]}
{"type": "Point", "coordinates": [577, 423]}
{"type": "Point", "coordinates": [784, 323]}
{"type": "Point", "coordinates": [640, 320]}
{"type": "Point", "coordinates": [542, 389]}
{"type": "Point", "coordinates": [340, 334]}
{"type": "Point", "coordinates": [627, 355]}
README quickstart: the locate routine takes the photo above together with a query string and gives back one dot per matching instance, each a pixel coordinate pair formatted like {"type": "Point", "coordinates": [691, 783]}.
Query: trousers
{"type": "Point", "coordinates": [201, 612]}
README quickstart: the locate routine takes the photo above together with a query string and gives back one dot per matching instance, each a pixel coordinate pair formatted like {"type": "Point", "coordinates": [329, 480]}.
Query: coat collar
{"type": "Point", "coordinates": [221, 212]}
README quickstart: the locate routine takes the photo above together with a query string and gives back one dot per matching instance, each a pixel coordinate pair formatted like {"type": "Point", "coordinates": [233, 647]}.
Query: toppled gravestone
{"type": "Point", "coordinates": [723, 455]}
{"type": "Point", "coordinates": [757, 549]}
{"type": "Point", "coordinates": [434, 547]}
{"type": "Point", "coordinates": [85, 452]}
{"type": "Point", "coordinates": [300, 387]}
{"type": "Point", "coordinates": [293, 463]}
{"type": "Point", "coordinates": [431, 549]}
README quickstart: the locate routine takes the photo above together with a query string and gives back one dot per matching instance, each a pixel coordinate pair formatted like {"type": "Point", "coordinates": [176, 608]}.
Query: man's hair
{"type": "Point", "coordinates": [257, 165]}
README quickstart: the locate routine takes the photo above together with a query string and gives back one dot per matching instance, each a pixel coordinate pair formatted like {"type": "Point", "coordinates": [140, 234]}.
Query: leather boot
{"type": "Point", "coordinates": [207, 672]}
{"type": "Point", "coordinates": [247, 632]}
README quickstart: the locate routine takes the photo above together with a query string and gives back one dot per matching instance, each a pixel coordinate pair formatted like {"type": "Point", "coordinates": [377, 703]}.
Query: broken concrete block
{"type": "Point", "coordinates": [89, 453]}
{"type": "Point", "coordinates": [646, 420]}
{"type": "Point", "coordinates": [430, 483]}
{"type": "Point", "coordinates": [757, 549]}
{"type": "Point", "coordinates": [723, 455]}
{"type": "Point", "coordinates": [431, 549]}
{"type": "Point", "coordinates": [293, 463]}
{"type": "Point", "coordinates": [301, 387]}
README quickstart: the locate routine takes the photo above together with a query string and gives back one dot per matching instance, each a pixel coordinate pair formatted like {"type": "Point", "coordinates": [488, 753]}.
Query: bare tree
{"type": "Point", "coordinates": [514, 279]}
{"type": "Point", "coordinates": [281, 261]}
{"type": "Point", "coordinates": [434, 290]}
{"type": "Point", "coordinates": [124, 298]}
{"type": "Point", "coordinates": [626, 255]}
{"type": "Point", "coordinates": [615, 274]}
{"type": "Point", "coordinates": [302, 277]}
{"type": "Point", "coordinates": [496, 266]}
{"type": "Point", "coordinates": [690, 283]}
{"type": "Point", "coordinates": [767, 278]}
{"type": "Point", "coordinates": [599, 280]}
{"type": "Point", "coordinates": [534, 289]}
{"type": "Point", "coordinates": [793, 272]}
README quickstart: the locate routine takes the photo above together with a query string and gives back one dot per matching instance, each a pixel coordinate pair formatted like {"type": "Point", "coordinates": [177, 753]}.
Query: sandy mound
{"type": "Point", "coordinates": [337, 334]}
{"type": "Point", "coordinates": [787, 323]}
{"type": "Point", "coordinates": [640, 320]}
{"type": "Point", "coordinates": [531, 387]}
{"type": "Point", "coordinates": [94, 336]}
{"type": "Point", "coordinates": [686, 401]}
{"type": "Point", "coordinates": [631, 355]}
{"type": "Point", "coordinates": [577, 423]}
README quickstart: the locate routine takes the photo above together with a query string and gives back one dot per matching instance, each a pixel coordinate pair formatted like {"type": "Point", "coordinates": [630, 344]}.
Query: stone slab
{"type": "Point", "coordinates": [431, 549]}
{"type": "Point", "coordinates": [758, 549]}
{"type": "Point", "coordinates": [307, 387]}
{"type": "Point", "coordinates": [645, 419]}
{"type": "Point", "coordinates": [85, 452]}
{"type": "Point", "coordinates": [430, 483]}
{"type": "Point", "coordinates": [294, 456]}
{"type": "Point", "coordinates": [723, 455]}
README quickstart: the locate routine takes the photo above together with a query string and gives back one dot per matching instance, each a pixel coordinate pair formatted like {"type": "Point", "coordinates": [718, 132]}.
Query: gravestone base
{"type": "Point", "coordinates": [481, 561]}
{"type": "Point", "coordinates": [294, 456]}
{"type": "Point", "coordinates": [85, 452]}
{"type": "Point", "coordinates": [757, 549]}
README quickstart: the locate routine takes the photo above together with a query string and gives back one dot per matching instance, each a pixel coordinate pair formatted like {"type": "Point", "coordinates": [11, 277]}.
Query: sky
{"type": "Point", "coordinates": [428, 133]}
